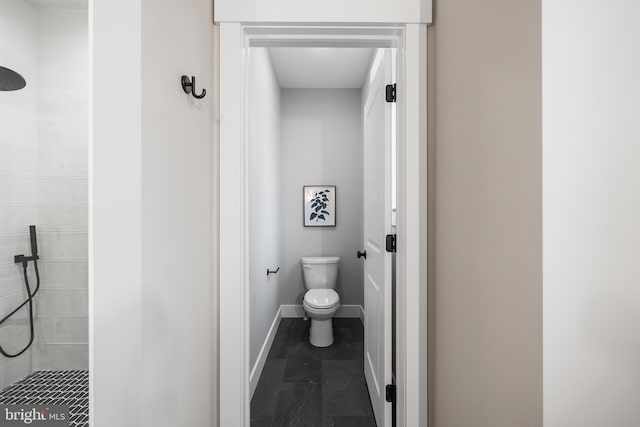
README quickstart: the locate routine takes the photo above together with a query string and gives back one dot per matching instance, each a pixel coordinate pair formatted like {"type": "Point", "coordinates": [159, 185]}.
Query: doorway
{"type": "Point", "coordinates": [235, 205]}
{"type": "Point", "coordinates": [320, 169]}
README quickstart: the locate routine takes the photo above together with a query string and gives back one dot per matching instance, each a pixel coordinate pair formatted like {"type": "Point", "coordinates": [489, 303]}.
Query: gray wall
{"type": "Point", "coordinates": [321, 131]}
{"type": "Point", "coordinates": [264, 206]}
{"type": "Point", "coordinates": [486, 177]}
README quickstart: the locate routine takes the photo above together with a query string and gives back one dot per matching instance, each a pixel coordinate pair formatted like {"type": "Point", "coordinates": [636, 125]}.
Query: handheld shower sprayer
{"type": "Point", "coordinates": [34, 248]}
{"type": "Point", "coordinates": [24, 260]}
{"type": "Point", "coordinates": [34, 241]}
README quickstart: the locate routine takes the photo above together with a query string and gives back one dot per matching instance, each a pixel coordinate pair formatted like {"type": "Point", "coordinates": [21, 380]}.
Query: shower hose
{"type": "Point", "coordinates": [29, 301]}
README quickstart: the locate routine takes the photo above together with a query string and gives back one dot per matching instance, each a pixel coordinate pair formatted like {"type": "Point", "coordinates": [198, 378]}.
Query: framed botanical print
{"type": "Point", "coordinates": [319, 205]}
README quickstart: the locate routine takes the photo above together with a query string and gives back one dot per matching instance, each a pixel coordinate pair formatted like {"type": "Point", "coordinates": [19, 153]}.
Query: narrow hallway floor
{"type": "Point", "coordinates": [305, 386]}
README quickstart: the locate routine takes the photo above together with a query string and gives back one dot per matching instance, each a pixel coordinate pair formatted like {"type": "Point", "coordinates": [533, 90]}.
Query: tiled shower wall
{"type": "Point", "coordinates": [18, 175]}
{"type": "Point", "coordinates": [62, 187]}
{"type": "Point", "coordinates": [43, 181]}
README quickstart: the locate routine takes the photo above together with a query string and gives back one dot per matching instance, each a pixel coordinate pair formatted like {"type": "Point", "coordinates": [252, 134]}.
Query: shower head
{"type": "Point", "coordinates": [10, 80]}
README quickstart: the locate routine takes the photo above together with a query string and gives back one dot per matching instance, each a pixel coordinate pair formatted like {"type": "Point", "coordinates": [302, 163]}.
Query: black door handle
{"type": "Point", "coordinates": [362, 254]}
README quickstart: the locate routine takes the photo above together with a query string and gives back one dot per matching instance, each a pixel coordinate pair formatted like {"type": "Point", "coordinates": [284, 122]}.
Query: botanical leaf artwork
{"type": "Point", "coordinates": [319, 206]}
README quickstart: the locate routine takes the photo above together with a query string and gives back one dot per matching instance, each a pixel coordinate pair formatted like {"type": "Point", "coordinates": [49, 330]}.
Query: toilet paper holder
{"type": "Point", "coordinates": [272, 271]}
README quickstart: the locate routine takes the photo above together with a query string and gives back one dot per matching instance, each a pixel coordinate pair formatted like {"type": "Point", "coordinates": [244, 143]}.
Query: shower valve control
{"type": "Point", "coordinates": [24, 259]}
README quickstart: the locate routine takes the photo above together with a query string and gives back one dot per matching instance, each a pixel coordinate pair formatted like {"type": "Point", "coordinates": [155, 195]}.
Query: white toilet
{"type": "Point", "coordinates": [321, 301]}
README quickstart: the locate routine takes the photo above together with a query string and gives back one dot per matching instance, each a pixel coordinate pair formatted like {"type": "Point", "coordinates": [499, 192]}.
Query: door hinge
{"type": "Point", "coordinates": [391, 243]}
{"type": "Point", "coordinates": [391, 93]}
{"type": "Point", "coordinates": [390, 393]}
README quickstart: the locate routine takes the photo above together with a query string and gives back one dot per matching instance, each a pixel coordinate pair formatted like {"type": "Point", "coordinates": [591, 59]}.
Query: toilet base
{"type": "Point", "coordinates": [321, 334]}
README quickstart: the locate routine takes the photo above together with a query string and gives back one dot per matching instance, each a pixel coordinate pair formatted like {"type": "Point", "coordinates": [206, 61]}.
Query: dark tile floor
{"type": "Point", "coordinates": [53, 388]}
{"type": "Point", "coordinates": [305, 386]}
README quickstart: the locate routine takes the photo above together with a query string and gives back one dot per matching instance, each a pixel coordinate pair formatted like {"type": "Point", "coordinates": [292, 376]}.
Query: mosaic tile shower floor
{"type": "Point", "coordinates": [53, 388]}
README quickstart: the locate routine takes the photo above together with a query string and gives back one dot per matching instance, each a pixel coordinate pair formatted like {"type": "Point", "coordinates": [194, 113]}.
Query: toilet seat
{"type": "Point", "coordinates": [321, 298]}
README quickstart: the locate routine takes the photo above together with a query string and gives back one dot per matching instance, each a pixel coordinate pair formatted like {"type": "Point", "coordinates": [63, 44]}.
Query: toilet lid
{"type": "Point", "coordinates": [321, 298]}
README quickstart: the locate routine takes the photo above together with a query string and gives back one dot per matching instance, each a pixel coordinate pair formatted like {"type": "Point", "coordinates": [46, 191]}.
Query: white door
{"type": "Point", "coordinates": [377, 223]}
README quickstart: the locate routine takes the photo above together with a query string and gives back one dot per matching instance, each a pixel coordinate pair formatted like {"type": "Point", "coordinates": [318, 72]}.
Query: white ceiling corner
{"type": "Point", "coordinates": [320, 67]}
{"type": "Point", "coordinates": [63, 4]}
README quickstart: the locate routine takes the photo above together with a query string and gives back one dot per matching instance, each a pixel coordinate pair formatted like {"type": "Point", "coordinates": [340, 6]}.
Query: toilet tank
{"type": "Point", "coordinates": [320, 272]}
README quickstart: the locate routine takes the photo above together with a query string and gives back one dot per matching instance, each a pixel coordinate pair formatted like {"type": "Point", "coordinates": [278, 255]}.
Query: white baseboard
{"type": "Point", "coordinates": [351, 311]}
{"type": "Point", "coordinates": [292, 311]}
{"type": "Point", "coordinates": [256, 371]}
{"type": "Point", "coordinates": [296, 311]}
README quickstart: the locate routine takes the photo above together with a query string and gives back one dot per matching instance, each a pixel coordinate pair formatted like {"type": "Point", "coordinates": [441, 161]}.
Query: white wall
{"type": "Point", "coordinates": [115, 264]}
{"type": "Point", "coordinates": [321, 132]}
{"type": "Point", "coordinates": [154, 307]}
{"type": "Point", "coordinates": [591, 135]}
{"type": "Point", "coordinates": [264, 203]}
{"type": "Point", "coordinates": [177, 215]}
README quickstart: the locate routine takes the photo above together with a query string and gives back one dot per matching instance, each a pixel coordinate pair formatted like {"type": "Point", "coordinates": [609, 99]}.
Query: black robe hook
{"type": "Point", "coordinates": [189, 86]}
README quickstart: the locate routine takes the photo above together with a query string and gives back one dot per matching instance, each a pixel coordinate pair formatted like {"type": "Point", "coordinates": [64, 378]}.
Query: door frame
{"type": "Point", "coordinates": [411, 326]}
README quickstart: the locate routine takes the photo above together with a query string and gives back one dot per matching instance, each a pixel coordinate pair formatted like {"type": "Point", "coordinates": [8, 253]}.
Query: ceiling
{"type": "Point", "coordinates": [74, 4]}
{"type": "Point", "coordinates": [320, 67]}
